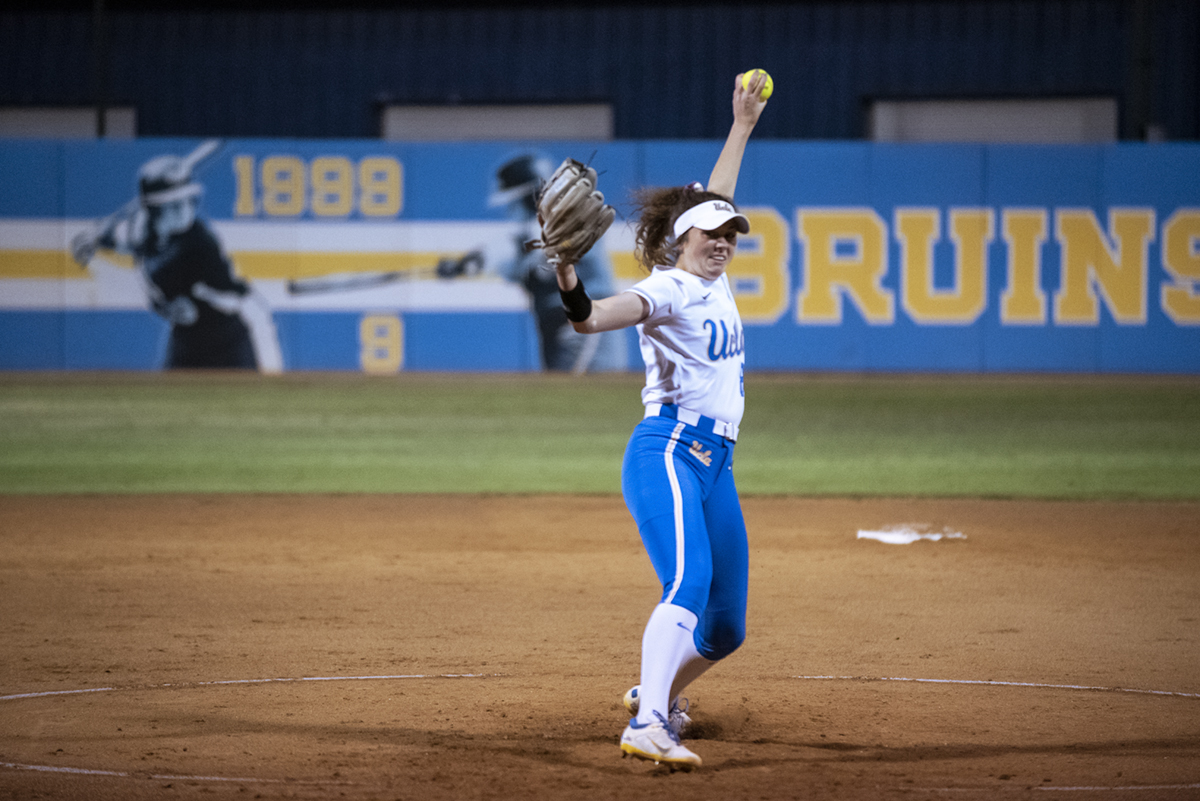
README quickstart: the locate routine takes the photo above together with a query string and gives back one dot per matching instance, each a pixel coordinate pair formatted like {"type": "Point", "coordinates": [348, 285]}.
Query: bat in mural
{"type": "Point", "coordinates": [468, 265]}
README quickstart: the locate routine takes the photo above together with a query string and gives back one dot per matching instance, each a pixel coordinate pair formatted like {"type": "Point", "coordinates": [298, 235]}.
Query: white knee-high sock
{"type": "Point", "coordinates": [692, 668]}
{"type": "Point", "coordinates": [666, 644]}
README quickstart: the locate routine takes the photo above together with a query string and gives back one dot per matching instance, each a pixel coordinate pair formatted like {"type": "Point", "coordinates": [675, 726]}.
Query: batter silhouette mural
{"type": "Point", "coordinates": [216, 319]}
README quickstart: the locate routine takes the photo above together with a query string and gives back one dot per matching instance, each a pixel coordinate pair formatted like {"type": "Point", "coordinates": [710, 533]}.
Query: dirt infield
{"type": "Point", "coordinates": [447, 647]}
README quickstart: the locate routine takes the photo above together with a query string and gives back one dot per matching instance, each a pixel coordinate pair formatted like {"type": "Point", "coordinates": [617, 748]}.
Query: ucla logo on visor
{"type": "Point", "coordinates": [710, 215]}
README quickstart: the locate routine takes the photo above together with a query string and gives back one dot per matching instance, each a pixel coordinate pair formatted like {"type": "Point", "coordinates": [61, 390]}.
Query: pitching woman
{"type": "Point", "coordinates": [677, 476]}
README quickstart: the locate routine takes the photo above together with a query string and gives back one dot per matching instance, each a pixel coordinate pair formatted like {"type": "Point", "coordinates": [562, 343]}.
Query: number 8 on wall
{"type": "Point", "coordinates": [381, 337]}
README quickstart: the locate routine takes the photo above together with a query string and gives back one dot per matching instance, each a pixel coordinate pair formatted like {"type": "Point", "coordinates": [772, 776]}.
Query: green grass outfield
{"type": "Point", "coordinates": [1045, 437]}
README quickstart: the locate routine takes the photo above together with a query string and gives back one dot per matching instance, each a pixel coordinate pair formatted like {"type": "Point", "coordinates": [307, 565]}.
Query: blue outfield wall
{"type": "Point", "coordinates": [310, 341]}
{"type": "Point", "coordinates": [862, 257]}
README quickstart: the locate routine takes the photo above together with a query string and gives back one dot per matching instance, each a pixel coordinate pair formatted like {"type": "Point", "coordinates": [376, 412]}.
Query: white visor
{"type": "Point", "coordinates": [709, 216]}
{"type": "Point", "coordinates": [173, 194]}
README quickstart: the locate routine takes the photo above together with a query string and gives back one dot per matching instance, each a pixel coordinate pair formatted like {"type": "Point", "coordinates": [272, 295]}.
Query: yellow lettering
{"type": "Point", "coordinates": [845, 253]}
{"type": "Point", "coordinates": [382, 340]}
{"type": "Point", "coordinates": [1181, 258]}
{"type": "Point", "coordinates": [1023, 301]}
{"type": "Point", "coordinates": [971, 231]}
{"type": "Point", "coordinates": [1090, 262]}
{"type": "Point", "coordinates": [759, 274]}
{"type": "Point", "coordinates": [382, 182]}
{"type": "Point", "coordinates": [243, 170]}
{"type": "Point", "coordinates": [332, 186]}
{"type": "Point", "coordinates": [283, 186]}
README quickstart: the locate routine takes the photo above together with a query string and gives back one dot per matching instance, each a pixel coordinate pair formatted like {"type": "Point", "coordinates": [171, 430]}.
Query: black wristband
{"type": "Point", "coordinates": [576, 302]}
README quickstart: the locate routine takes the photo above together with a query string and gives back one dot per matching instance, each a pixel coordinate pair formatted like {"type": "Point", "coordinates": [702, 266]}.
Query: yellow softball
{"type": "Point", "coordinates": [768, 87]}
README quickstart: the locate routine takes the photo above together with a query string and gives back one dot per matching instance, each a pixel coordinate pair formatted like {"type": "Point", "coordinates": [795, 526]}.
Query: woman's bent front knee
{"type": "Point", "coordinates": [723, 640]}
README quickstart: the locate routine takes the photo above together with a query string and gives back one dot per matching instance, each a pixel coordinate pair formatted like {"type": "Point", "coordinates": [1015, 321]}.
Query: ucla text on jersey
{"type": "Point", "coordinates": [731, 344]}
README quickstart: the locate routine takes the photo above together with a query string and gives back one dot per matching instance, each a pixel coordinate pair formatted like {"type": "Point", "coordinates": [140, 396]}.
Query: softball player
{"type": "Point", "coordinates": [677, 475]}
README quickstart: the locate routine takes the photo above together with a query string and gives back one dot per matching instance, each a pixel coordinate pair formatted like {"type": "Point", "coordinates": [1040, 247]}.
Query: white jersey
{"type": "Point", "coordinates": [692, 344]}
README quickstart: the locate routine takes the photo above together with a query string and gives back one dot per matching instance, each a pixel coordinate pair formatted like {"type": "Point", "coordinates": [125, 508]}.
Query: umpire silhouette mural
{"type": "Point", "coordinates": [517, 182]}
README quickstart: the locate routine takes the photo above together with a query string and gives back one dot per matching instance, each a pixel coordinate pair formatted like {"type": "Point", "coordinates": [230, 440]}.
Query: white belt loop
{"type": "Point", "coordinates": [726, 430]}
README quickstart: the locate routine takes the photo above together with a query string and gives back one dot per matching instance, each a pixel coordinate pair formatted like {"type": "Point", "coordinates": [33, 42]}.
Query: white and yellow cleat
{"type": "Point", "coordinates": [677, 719]}
{"type": "Point", "coordinates": [657, 743]}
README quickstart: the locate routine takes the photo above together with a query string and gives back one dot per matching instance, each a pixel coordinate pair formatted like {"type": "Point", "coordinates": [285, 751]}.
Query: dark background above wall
{"type": "Point", "coordinates": [302, 69]}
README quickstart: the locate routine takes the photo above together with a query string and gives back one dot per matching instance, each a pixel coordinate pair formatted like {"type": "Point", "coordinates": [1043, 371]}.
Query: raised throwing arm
{"type": "Point", "coordinates": [747, 106]}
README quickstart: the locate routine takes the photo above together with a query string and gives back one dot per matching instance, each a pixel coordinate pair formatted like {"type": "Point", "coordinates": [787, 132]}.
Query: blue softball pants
{"type": "Point", "coordinates": [678, 483]}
